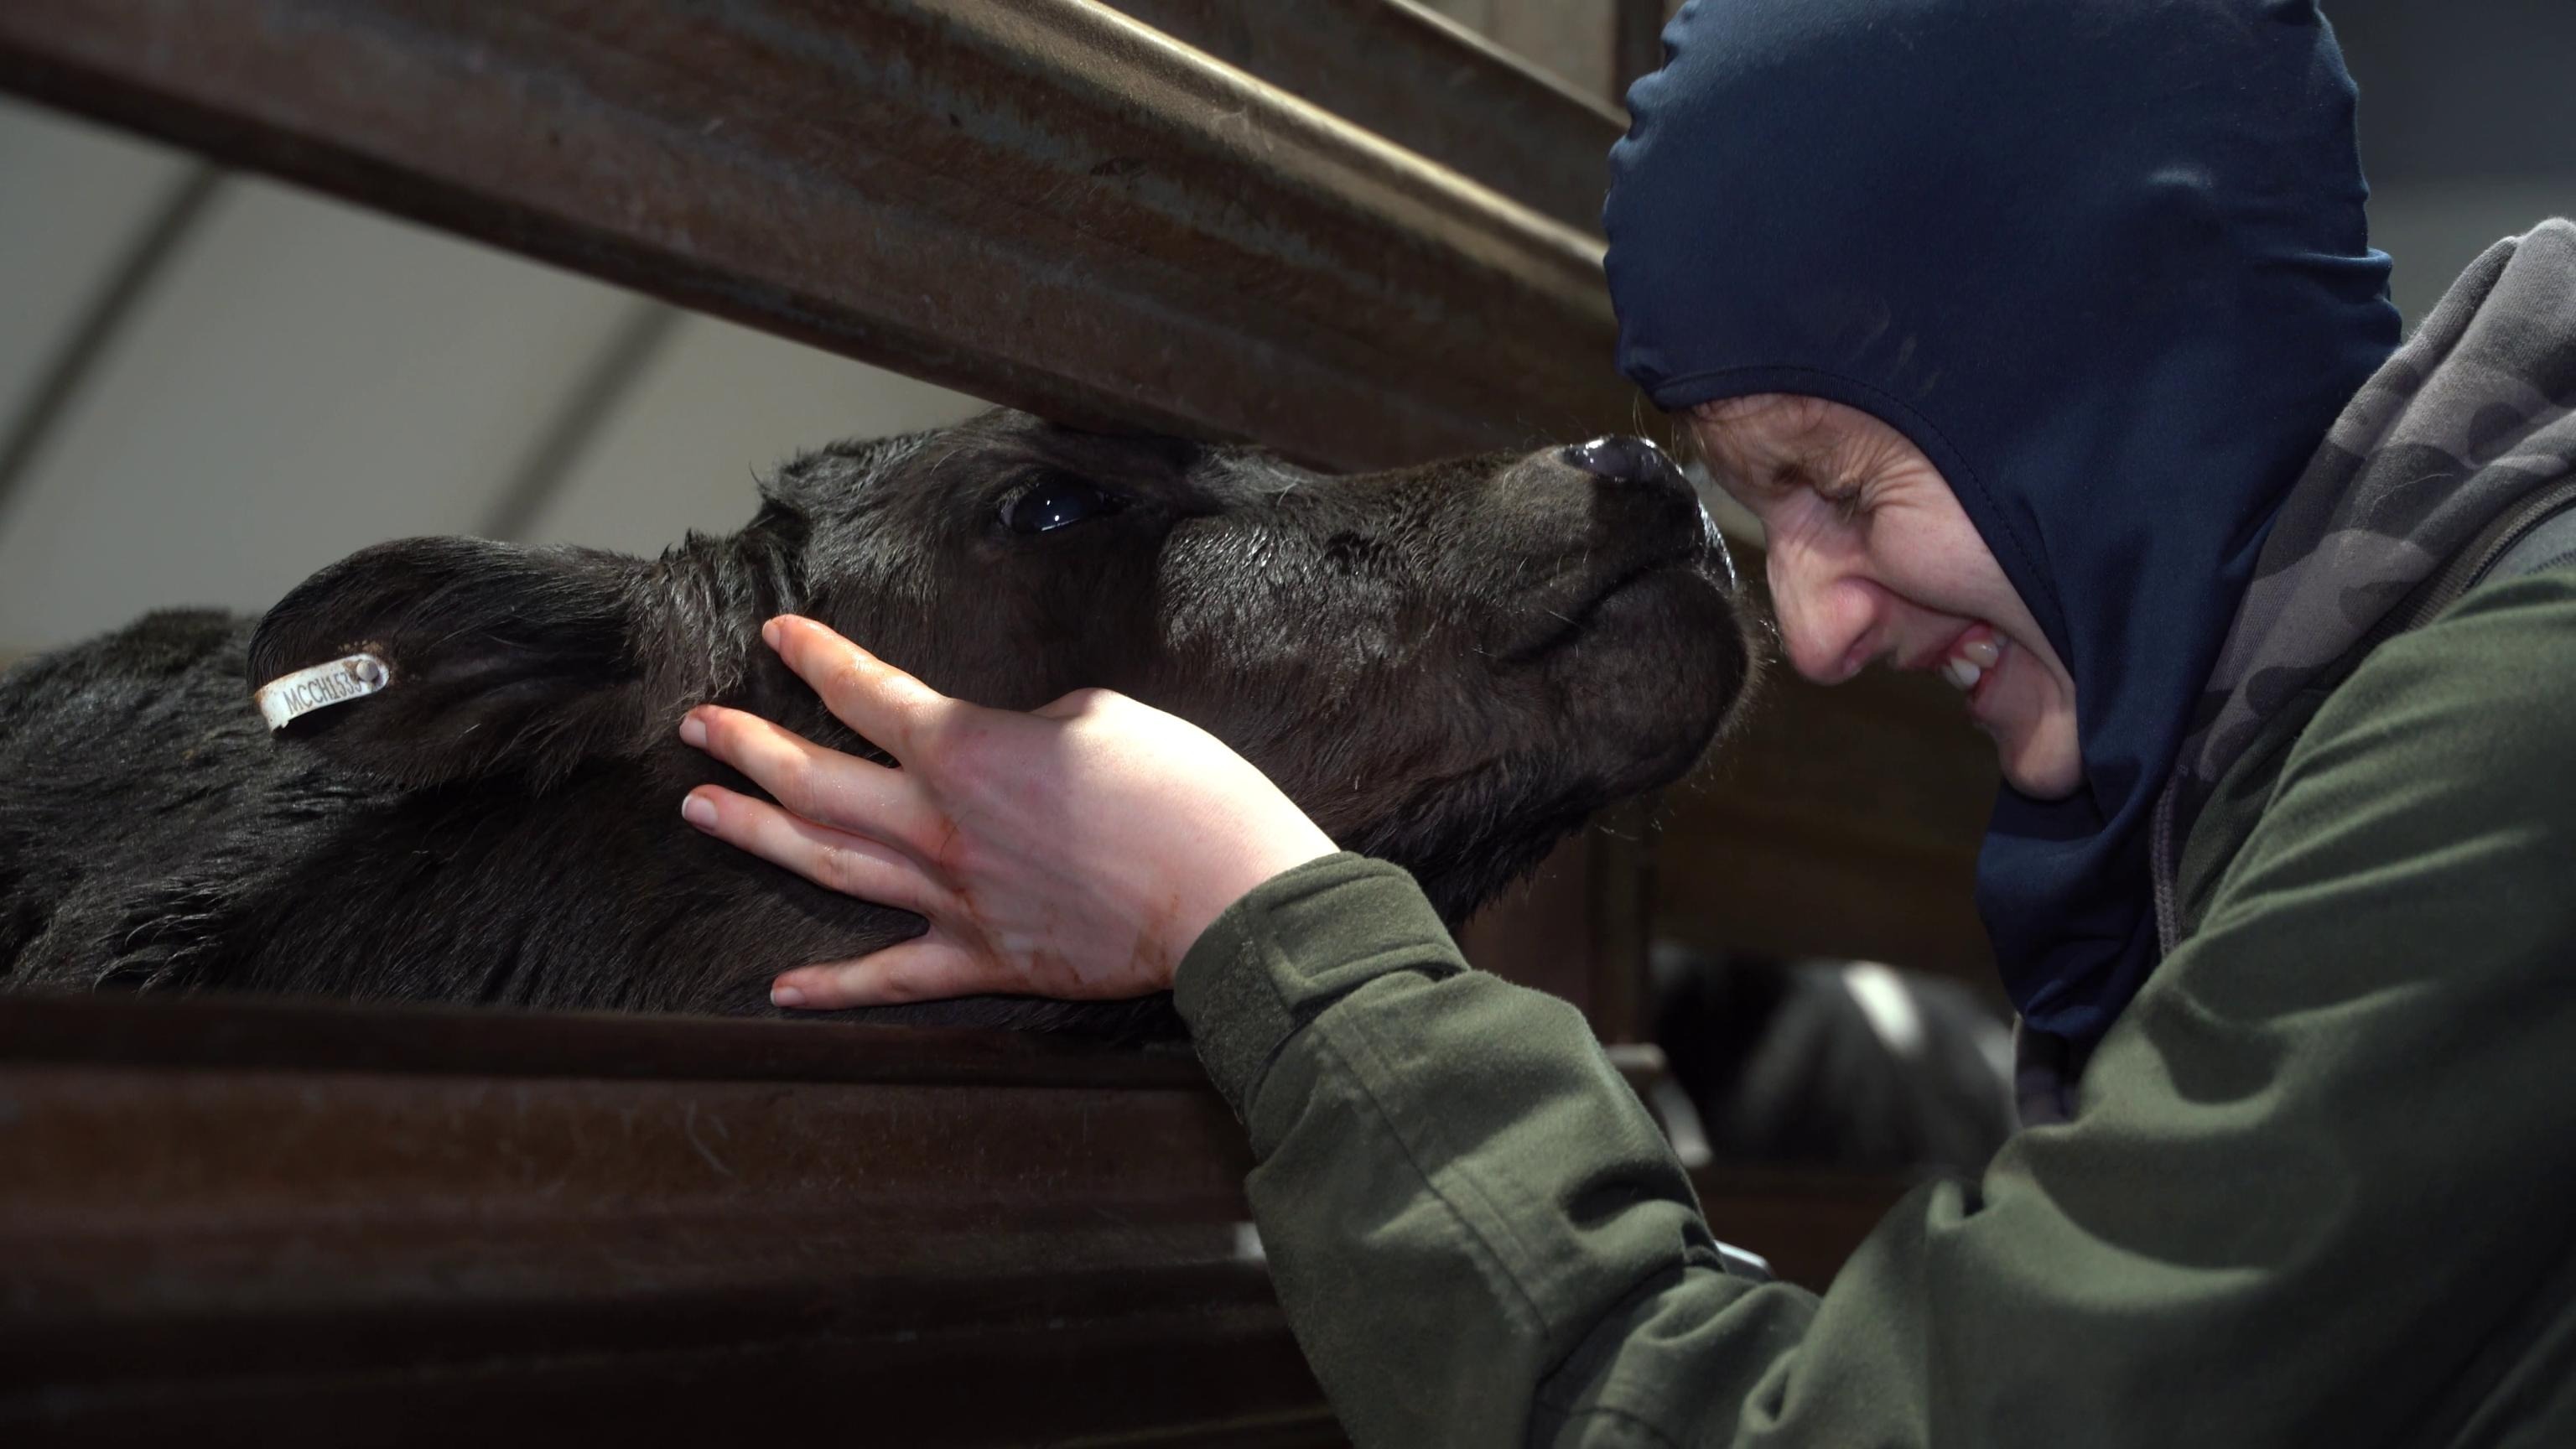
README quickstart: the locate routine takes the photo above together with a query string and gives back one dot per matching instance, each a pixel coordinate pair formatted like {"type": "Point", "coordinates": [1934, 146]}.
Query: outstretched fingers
{"type": "Point", "coordinates": [893, 709]}
{"type": "Point", "coordinates": [836, 860]}
{"type": "Point", "coordinates": [820, 784]}
{"type": "Point", "coordinates": [926, 968]}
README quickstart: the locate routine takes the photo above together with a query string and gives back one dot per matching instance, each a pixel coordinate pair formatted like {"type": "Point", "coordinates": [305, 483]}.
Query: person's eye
{"type": "Point", "coordinates": [1848, 500]}
{"type": "Point", "coordinates": [1058, 501]}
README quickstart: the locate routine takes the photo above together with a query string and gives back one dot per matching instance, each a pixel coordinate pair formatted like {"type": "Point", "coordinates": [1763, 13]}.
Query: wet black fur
{"type": "Point", "coordinates": [1449, 666]}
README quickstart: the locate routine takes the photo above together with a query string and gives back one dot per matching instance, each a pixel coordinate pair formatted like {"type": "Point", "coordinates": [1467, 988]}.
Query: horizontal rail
{"type": "Point", "coordinates": [370, 1224]}
{"type": "Point", "coordinates": [1043, 202]}
{"type": "Point", "coordinates": [218, 1033]}
{"type": "Point", "coordinates": [221, 1214]}
{"type": "Point", "coordinates": [1424, 82]}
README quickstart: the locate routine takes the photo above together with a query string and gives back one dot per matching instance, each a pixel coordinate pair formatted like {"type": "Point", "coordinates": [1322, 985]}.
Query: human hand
{"type": "Point", "coordinates": [1074, 852]}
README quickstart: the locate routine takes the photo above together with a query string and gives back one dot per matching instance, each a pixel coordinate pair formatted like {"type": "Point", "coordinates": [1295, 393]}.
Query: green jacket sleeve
{"type": "Point", "coordinates": [2315, 1192]}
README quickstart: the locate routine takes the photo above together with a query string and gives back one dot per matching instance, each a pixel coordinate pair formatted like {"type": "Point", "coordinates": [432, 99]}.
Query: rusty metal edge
{"type": "Point", "coordinates": [1046, 202]}
{"type": "Point", "coordinates": [240, 1241]}
{"type": "Point", "coordinates": [1423, 81]}
{"type": "Point", "coordinates": [388, 1039]}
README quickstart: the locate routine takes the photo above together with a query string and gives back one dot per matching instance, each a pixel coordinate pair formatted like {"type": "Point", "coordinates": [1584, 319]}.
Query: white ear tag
{"type": "Point", "coordinates": [292, 696]}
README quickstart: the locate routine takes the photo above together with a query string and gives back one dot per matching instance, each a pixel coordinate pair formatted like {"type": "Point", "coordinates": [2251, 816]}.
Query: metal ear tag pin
{"type": "Point", "coordinates": [289, 697]}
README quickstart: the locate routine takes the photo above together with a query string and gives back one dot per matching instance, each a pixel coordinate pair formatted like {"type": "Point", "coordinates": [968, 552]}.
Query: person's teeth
{"type": "Point", "coordinates": [1984, 653]}
{"type": "Point", "coordinates": [1961, 673]}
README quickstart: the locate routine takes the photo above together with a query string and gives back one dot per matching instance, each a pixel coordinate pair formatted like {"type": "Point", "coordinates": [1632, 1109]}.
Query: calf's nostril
{"type": "Point", "coordinates": [1621, 459]}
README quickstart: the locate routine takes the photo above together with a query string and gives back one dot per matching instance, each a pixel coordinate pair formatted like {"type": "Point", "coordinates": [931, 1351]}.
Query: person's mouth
{"type": "Point", "coordinates": [1972, 661]}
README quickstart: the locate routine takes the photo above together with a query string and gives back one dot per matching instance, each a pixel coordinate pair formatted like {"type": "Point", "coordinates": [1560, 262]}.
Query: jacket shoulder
{"type": "Point", "coordinates": [2462, 729]}
{"type": "Point", "coordinates": [2483, 695]}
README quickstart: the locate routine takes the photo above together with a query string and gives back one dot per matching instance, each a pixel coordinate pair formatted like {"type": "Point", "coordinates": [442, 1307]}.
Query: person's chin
{"type": "Point", "coordinates": [2034, 765]}
{"type": "Point", "coordinates": [2037, 771]}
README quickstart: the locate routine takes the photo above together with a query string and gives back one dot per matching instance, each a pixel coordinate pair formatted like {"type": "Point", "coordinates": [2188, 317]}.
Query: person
{"type": "Point", "coordinates": [2045, 339]}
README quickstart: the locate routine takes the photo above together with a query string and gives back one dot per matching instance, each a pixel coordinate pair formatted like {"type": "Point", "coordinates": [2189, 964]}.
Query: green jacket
{"type": "Point", "coordinates": [2320, 1187]}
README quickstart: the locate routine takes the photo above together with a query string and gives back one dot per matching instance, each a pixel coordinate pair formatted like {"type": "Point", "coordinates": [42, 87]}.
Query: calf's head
{"type": "Point", "coordinates": [1448, 666]}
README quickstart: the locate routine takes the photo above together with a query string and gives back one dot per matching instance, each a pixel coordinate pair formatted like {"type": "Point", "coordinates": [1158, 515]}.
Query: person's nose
{"type": "Point", "coordinates": [1828, 623]}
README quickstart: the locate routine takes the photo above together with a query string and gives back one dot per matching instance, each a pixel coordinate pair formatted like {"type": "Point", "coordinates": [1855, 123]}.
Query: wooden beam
{"type": "Point", "coordinates": [356, 1225]}
{"type": "Point", "coordinates": [1045, 203]}
{"type": "Point", "coordinates": [363, 1224]}
{"type": "Point", "coordinates": [1574, 39]}
{"type": "Point", "coordinates": [1423, 81]}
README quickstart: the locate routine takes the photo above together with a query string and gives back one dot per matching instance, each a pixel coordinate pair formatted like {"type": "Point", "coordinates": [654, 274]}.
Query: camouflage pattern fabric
{"type": "Point", "coordinates": [2473, 415]}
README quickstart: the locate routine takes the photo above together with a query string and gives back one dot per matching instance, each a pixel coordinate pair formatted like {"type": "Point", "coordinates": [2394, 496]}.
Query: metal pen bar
{"type": "Point", "coordinates": [1045, 202]}
{"type": "Point", "coordinates": [1422, 81]}
{"type": "Point", "coordinates": [358, 1224]}
{"type": "Point", "coordinates": [355, 1225]}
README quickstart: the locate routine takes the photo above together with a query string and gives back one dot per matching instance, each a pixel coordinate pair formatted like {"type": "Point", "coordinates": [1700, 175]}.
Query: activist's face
{"type": "Point", "coordinates": [1871, 557]}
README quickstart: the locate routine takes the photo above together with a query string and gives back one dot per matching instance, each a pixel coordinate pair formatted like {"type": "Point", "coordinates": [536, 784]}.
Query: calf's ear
{"type": "Point", "coordinates": [495, 658]}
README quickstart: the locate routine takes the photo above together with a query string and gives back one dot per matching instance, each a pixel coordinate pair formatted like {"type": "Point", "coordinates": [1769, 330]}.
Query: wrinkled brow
{"type": "Point", "coordinates": [1776, 467]}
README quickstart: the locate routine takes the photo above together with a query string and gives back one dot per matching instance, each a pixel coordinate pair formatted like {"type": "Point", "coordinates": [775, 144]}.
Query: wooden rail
{"type": "Point", "coordinates": [1433, 87]}
{"type": "Point", "coordinates": [285, 1224]}
{"type": "Point", "coordinates": [1044, 202]}
{"type": "Point", "coordinates": [341, 1225]}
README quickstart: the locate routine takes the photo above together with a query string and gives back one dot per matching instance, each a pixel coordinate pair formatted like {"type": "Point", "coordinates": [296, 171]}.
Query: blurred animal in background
{"type": "Point", "coordinates": [1850, 1063]}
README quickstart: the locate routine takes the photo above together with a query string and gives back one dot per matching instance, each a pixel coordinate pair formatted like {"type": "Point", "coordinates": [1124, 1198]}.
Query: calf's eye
{"type": "Point", "coordinates": [1057, 503]}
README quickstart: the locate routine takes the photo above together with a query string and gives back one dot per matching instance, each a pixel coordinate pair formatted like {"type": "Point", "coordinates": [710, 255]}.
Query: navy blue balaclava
{"type": "Point", "coordinates": [2104, 262]}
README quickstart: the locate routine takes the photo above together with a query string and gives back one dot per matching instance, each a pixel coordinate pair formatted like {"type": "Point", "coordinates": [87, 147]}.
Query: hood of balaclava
{"type": "Point", "coordinates": [2104, 262]}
